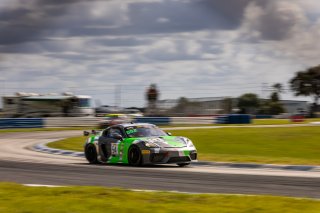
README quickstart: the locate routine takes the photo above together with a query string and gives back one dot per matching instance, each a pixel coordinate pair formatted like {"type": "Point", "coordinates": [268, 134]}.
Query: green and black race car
{"type": "Point", "coordinates": [138, 144]}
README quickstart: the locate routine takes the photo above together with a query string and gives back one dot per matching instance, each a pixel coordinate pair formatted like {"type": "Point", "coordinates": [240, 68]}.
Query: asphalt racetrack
{"type": "Point", "coordinates": [18, 163]}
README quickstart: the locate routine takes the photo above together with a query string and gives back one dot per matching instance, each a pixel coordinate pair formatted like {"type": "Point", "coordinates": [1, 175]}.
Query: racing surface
{"type": "Point", "coordinates": [18, 163]}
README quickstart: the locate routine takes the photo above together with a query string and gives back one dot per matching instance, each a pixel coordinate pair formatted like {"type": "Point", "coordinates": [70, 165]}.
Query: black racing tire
{"type": "Point", "coordinates": [134, 156]}
{"type": "Point", "coordinates": [91, 154]}
{"type": "Point", "coordinates": [183, 164]}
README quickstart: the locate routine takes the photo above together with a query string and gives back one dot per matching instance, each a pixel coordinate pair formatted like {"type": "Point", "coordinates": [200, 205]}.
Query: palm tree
{"type": "Point", "coordinates": [307, 83]}
{"type": "Point", "coordinates": [277, 89]}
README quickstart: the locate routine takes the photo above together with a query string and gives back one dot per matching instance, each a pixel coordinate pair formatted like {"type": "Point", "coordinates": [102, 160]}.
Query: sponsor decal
{"type": "Point", "coordinates": [156, 140]}
{"type": "Point", "coordinates": [114, 149]}
{"type": "Point", "coordinates": [145, 152]}
{"type": "Point", "coordinates": [156, 150]}
{"type": "Point", "coordinates": [131, 131]}
{"type": "Point", "coordinates": [181, 153]}
{"type": "Point", "coordinates": [121, 151]}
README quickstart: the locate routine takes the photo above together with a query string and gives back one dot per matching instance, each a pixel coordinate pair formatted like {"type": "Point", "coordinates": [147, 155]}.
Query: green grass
{"type": "Point", "coordinates": [281, 121]}
{"type": "Point", "coordinates": [271, 121]}
{"type": "Point", "coordinates": [285, 145]}
{"type": "Point", "coordinates": [15, 198]}
{"type": "Point", "coordinates": [74, 143]}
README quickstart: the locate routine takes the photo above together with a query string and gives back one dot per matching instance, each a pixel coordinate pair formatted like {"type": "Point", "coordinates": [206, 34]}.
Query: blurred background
{"type": "Point", "coordinates": [204, 57]}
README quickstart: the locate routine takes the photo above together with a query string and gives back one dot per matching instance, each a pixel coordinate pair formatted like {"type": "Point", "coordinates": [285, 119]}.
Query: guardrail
{"type": "Point", "coordinates": [192, 120]}
{"type": "Point", "coordinates": [52, 122]}
{"type": "Point", "coordinates": [71, 121]}
{"type": "Point", "coordinates": [153, 120]}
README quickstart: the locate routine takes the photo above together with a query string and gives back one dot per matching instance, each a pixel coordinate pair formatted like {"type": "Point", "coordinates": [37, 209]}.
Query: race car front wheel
{"type": "Point", "coordinates": [91, 154]}
{"type": "Point", "coordinates": [134, 156]}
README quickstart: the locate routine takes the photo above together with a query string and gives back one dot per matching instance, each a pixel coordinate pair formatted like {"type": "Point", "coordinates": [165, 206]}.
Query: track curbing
{"type": "Point", "coordinates": [306, 168]}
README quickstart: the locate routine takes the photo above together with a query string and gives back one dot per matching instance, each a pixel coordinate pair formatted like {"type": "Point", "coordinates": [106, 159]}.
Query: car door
{"type": "Point", "coordinates": [108, 144]}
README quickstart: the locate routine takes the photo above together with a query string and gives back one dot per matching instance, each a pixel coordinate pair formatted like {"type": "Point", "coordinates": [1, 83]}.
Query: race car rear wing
{"type": "Point", "coordinates": [93, 132]}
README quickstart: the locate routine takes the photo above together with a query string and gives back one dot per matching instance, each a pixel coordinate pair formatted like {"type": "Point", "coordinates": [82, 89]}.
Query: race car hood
{"type": "Point", "coordinates": [167, 141]}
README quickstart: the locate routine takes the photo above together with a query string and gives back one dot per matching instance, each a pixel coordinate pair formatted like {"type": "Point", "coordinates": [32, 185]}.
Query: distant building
{"type": "Point", "coordinates": [292, 106]}
{"type": "Point", "coordinates": [220, 105]}
{"type": "Point", "coordinates": [198, 106]}
{"type": "Point", "coordinates": [46, 105]}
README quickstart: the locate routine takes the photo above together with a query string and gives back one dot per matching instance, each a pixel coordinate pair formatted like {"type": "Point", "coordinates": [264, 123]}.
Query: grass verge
{"type": "Point", "coordinates": [283, 145]}
{"type": "Point", "coordinates": [16, 198]}
{"type": "Point", "coordinates": [281, 121]}
{"type": "Point", "coordinates": [74, 143]}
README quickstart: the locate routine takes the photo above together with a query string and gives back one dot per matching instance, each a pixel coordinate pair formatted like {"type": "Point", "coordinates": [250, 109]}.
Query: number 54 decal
{"type": "Point", "coordinates": [114, 149]}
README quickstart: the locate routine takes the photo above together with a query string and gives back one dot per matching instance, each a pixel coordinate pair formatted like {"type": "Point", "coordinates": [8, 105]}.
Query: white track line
{"type": "Point", "coordinates": [41, 185]}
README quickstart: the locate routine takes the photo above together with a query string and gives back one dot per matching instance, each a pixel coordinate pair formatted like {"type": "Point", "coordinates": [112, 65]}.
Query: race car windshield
{"type": "Point", "coordinates": [144, 131]}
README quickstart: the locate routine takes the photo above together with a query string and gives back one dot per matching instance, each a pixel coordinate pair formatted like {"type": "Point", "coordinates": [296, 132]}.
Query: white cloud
{"type": "Point", "coordinates": [98, 45]}
{"type": "Point", "coordinates": [291, 32]}
{"type": "Point", "coordinates": [278, 20]}
{"type": "Point", "coordinates": [163, 20]}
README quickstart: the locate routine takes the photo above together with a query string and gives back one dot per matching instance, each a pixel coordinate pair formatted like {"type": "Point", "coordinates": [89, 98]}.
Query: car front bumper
{"type": "Point", "coordinates": [169, 155]}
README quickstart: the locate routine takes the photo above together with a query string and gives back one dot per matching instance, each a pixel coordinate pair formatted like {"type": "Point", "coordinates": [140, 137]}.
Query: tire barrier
{"type": "Point", "coordinates": [233, 119]}
{"type": "Point", "coordinates": [263, 116]}
{"type": "Point", "coordinates": [297, 118]}
{"type": "Point", "coordinates": [10, 123]}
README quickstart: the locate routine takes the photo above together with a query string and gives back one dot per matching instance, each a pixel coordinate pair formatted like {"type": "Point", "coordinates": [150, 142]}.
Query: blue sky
{"type": "Point", "coordinates": [191, 48]}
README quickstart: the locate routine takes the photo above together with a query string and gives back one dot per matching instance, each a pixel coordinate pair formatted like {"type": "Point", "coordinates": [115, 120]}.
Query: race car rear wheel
{"type": "Point", "coordinates": [134, 156]}
{"type": "Point", "coordinates": [91, 154]}
{"type": "Point", "coordinates": [183, 164]}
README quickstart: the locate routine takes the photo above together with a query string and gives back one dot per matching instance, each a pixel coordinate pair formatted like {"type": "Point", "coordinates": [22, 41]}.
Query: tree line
{"type": "Point", "coordinates": [304, 83]}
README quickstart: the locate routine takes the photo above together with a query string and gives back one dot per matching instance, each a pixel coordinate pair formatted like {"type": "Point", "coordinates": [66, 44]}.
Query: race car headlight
{"type": "Point", "coordinates": [189, 142]}
{"type": "Point", "coordinates": [150, 144]}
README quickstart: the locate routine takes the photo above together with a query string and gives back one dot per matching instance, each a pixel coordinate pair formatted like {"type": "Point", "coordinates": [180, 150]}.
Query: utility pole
{"type": "Point", "coordinates": [117, 96]}
{"type": "Point", "coordinates": [264, 88]}
{"type": "Point", "coordinates": [3, 92]}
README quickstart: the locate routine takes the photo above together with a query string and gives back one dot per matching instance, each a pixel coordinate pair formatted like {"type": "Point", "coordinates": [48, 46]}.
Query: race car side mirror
{"type": "Point", "coordinates": [86, 133]}
{"type": "Point", "coordinates": [169, 133]}
{"type": "Point", "coordinates": [117, 136]}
